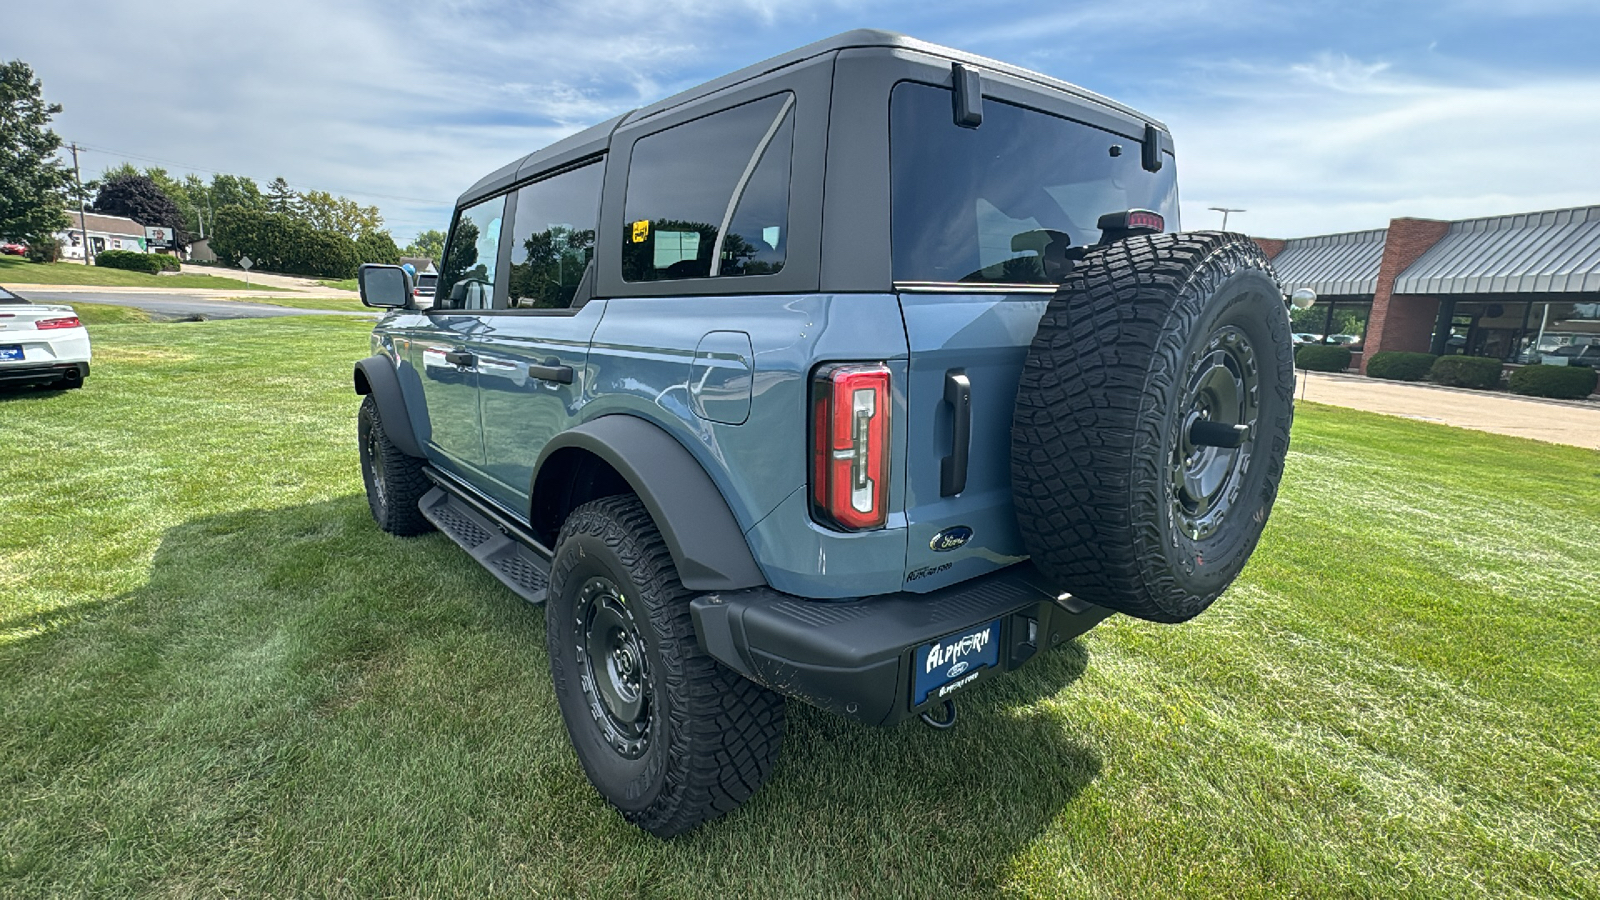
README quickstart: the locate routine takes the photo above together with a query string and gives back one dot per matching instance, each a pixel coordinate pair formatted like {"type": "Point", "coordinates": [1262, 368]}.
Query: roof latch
{"type": "Point", "coordinates": [969, 97]}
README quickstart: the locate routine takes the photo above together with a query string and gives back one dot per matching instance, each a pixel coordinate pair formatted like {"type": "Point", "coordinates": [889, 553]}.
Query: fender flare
{"type": "Point", "coordinates": [375, 375]}
{"type": "Point", "coordinates": [706, 543]}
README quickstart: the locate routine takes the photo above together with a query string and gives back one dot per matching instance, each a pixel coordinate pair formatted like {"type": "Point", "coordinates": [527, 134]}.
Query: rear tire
{"type": "Point", "coordinates": [395, 483]}
{"type": "Point", "coordinates": [1154, 351]}
{"type": "Point", "coordinates": [668, 735]}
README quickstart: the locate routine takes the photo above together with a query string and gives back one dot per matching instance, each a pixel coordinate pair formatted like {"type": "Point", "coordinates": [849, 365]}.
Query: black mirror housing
{"type": "Point", "coordinates": [384, 287]}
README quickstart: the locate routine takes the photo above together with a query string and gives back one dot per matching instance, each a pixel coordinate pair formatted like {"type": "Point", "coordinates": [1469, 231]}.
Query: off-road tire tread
{"type": "Point", "coordinates": [403, 477]}
{"type": "Point", "coordinates": [1086, 430]}
{"type": "Point", "coordinates": [726, 730]}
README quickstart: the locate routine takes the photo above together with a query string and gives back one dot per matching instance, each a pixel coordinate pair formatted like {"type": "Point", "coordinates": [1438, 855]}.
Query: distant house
{"type": "Point", "coordinates": [105, 233]}
{"type": "Point", "coordinates": [423, 264]}
{"type": "Point", "coordinates": [200, 252]}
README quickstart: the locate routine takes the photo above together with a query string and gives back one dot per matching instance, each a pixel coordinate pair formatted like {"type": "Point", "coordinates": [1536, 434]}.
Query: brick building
{"type": "Point", "coordinates": [1518, 288]}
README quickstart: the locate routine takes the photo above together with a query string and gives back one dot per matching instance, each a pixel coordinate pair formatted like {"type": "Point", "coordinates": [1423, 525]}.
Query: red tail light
{"type": "Point", "coordinates": [68, 322]}
{"type": "Point", "coordinates": [850, 446]}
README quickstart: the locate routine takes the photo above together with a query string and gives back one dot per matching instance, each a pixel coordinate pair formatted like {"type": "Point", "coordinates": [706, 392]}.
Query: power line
{"type": "Point", "coordinates": [184, 165]}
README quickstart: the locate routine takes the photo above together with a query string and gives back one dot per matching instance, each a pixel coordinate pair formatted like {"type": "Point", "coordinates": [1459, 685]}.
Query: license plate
{"type": "Point", "coordinates": [10, 351]}
{"type": "Point", "coordinates": [951, 663]}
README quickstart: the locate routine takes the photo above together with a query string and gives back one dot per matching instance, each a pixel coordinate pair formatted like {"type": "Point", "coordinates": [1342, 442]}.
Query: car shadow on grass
{"type": "Point", "coordinates": [296, 703]}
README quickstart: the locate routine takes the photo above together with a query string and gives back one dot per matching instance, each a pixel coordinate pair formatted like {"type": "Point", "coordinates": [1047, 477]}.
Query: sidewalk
{"type": "Point", "coordinates": [1575, 423]}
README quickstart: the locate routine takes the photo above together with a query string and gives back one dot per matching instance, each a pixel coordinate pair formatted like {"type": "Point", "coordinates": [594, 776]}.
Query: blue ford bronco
{"type": "Point", "coordinates": [858, 377]}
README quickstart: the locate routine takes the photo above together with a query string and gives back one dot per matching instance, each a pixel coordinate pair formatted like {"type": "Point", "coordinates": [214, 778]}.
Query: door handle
{"type": "Point", "coordinates": [460, 358]}
{"type": "Point", "coordinates": [953, 468]}
{"type": "Point", "coordinates": [551, 370]}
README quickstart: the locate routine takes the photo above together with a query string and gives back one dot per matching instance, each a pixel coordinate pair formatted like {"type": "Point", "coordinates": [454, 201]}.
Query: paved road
{"type": "Point", "coordinates": [1555, 421]}
{"type": "Point", "coordinates": [180, 304]}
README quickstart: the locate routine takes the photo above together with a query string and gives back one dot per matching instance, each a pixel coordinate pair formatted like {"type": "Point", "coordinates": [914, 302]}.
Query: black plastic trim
{"type": "Point", "coordinates": [968, 96]}
{"type": "Point", "coordinates": [953, 468]}
{"type": "Point", "coordinates": [51, 372]}
{"type": "Point", "coordinates": [375, 375]}
{"type": "Point", "coordinates": [707, 545]}
{"type": "Point", "coordinates": [854, 658]}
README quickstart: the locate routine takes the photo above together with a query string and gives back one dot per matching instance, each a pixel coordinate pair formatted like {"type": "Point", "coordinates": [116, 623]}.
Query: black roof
{"type": "Point", "coordinates": [594, 139]}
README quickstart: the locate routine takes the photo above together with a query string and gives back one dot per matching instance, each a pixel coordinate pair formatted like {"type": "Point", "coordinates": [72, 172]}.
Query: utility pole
{"type": "Point", "coordinates": [88, 252]}
{"type": "Point", "coordinates": [1225, 210]}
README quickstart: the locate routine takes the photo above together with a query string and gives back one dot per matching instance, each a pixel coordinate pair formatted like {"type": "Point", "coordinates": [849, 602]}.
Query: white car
{"type": "Point", "coordinates": [41, 344]}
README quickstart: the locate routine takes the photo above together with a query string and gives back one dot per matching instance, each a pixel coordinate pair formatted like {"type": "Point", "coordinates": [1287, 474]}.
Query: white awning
{"type": "Point", "coordinates": [1557, 251]}
{"type": "Point", "coordinates": [1334, 264]}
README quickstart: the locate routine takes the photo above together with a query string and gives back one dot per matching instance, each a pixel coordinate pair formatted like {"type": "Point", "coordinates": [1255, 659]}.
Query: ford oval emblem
{"type": "Point", "coordinates": [956, 669]}
{"type": "Point", "coordinates": [952, 538]}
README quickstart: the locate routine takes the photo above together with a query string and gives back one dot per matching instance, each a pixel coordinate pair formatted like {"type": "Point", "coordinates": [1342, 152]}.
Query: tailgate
{"type": "Point", "coordinates": [984, 336]}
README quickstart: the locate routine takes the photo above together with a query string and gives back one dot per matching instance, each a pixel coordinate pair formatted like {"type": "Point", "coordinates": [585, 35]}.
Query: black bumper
{"type": "Point", "coordinates": [44, 374]}
{"type": "Point", "coordinates": [855, 657]}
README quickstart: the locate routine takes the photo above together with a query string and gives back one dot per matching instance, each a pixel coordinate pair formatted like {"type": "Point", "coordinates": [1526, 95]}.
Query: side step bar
{"type": "Point", "coordinates": [509, 553]}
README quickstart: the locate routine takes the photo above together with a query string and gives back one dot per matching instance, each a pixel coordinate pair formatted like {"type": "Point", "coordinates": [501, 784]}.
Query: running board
{"type": "Point", "coordinates": [495, 547]}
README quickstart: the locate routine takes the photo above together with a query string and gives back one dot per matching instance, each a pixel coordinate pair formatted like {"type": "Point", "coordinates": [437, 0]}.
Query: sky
{"type": "Point", "coordinates": [1314, 117]}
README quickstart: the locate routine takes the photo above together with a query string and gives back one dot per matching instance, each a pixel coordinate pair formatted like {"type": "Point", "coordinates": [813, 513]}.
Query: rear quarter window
{"type": "Point", "coordinates": [710, 198]}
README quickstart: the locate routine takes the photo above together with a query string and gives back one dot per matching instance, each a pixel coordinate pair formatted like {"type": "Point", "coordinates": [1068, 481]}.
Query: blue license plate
{"type": "Point", "coordinates": [951, 663]}
{"type": "Point", "coordinates": [10, 351]}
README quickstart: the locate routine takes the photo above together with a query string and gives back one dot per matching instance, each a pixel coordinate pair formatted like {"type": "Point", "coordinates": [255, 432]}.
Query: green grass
{"type": "Point", "coordinates": [16, 271]}
{"type": "Point", "coordinates": [96, 314]}
{"type": "Point", "coordinates": [217, 677]}
{"type": "Point", "coordinates": [348, 284]}
{"type": "Point", "coordinates": [342, 304]}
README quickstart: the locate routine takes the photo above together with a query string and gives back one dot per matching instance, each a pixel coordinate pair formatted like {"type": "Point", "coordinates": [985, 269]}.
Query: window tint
{"type": "Point", "coordinates": [467, 280]}
{"type": "Point", "coordinates": [552, 239]}
{"type": "Point", "coordinates": [710, 198]}
{"type": "Point", "coordinates": [985, 204]}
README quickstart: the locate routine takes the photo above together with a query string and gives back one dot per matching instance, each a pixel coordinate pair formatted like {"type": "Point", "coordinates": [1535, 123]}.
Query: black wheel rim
{"type": "Point", "coordinates": [1222, 384]}
{"type": "Point", "coordinates": [375, 467]}
{"type": "Point", "coordinates": [613, 667]}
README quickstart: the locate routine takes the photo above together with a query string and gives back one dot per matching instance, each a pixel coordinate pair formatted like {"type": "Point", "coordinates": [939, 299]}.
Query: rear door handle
{"type": "Point", "coordinates": [953, 468]}
{"type": "Point", "coordinates": [460, 358]}
{"type": "Point", "coordinates": [552, 370]}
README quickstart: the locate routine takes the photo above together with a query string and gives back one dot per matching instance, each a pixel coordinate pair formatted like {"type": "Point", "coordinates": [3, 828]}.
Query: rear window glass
{"type": "Point", "coordinates": [710, 198]}
{"type": "Point", "coordinates": [981, 205]}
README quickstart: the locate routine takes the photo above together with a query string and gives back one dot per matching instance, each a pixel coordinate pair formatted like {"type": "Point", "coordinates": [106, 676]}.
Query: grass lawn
{"type": "Point", "coordinates": [218, 677]}
{"type": "Point", "coordinates": [15, 270]}
{"type": "Point", "coordinates": [348, 284]}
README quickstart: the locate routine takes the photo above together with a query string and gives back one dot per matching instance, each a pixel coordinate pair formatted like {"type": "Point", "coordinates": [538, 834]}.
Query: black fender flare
{"type": "Point", "coordinates": [706, 543]}
{"type": "Point", "coordinates": [376, 376]}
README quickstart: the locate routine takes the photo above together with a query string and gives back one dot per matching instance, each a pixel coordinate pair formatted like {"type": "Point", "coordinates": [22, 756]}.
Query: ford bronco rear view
{"type": "Point", "coordinates": [857, 377]}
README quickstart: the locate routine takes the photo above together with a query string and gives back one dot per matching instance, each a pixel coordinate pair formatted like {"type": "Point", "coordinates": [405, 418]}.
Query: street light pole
{"type": "Point", "coordinates": [1225, 210]}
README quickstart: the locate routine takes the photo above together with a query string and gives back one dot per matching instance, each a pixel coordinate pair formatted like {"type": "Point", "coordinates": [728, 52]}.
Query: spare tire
{"type": "Point", "coordinates": [1156, 355]}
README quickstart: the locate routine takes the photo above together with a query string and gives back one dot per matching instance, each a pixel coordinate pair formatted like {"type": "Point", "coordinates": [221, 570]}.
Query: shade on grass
{"type": "Point", "coordinates": [217, 677]}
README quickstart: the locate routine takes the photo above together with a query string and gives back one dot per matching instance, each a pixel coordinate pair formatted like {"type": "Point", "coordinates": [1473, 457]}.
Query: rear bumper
{"type": "Point", "coordinates": [855, 658]}
{"type": "Point", "coordinates": [43, 374]}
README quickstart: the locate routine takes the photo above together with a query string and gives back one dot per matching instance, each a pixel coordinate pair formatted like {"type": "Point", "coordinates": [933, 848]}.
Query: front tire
{"type": "Point", "coordinates": [668, 735]}
{"type": "Point", "coordinates": [395, 483]}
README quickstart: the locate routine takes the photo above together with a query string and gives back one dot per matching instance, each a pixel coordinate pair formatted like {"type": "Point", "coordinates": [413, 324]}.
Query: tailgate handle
{"type": "Point", "coordinates": [552, 370]}
{"type": "Point", "coordinates": [953, 468]}
{"type": "Point", "coordinates": [460, 358]}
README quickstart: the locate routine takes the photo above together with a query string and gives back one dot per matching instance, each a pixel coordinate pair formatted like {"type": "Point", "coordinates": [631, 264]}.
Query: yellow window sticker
{"type": "Point", "coordinates": [641, 231]}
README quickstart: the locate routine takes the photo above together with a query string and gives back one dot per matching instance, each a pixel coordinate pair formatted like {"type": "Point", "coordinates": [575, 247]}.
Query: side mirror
{"type": "Point", "coordinates": [385, 287]}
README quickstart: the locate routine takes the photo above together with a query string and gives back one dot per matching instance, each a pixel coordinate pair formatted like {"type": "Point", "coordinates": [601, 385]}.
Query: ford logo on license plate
{"type": "Point", "coordinates": [953, 662]}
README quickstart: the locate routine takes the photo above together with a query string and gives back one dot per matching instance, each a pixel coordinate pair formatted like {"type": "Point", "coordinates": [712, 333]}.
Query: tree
{"type": "Point", "coordinates": [429, 244]}
{"type": "Point", "coordinates": [236, 190]}
{"type": "Point", "coordinates": [34, 185]}
{"type": "Point", "coordinates": [139, 198]}
{"type": "Point", "coordinates": [325, 212]}
{"type": "Point", "coordinates": [282, 199]}
{"type": "Point", "coordinates": [377, 247]}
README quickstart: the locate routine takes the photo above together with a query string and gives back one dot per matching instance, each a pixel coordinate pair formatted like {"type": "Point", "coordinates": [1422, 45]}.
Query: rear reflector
{"type": "Point", "coordinates": [69, 322]}
{"type": "Point", "coordinates": [850, 446]}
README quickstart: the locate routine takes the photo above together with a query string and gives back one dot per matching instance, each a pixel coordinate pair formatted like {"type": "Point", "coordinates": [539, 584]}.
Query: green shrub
{"type": "Point", "coordinates": [378, 247]}
{"type": "Point", "coordinates": [1395, 365]}
{"type": "Point", "coordinates": [44, 250]}
{"type": "Point", "coordinates": [276, 242]}
{"type": "Point", "coordinates": [130, 260]}
{"type": "Point", "coordinates": [1322, 358]}
{"type": "Point", "coordinates": [1479, 372]}
{"type": "Point", "coordinates": [168, 263]}
{"type": "Point", "coordinates": [1559, 382]}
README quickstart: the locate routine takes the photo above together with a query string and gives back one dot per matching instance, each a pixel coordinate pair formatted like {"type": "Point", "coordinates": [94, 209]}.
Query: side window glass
{"type": "Point", "coordinates": [710, 198]}
{"type": "Point", "coordinates": [552, 239]}
{"type": "Point", "coordinates": [468, 277]}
